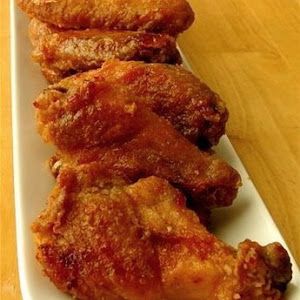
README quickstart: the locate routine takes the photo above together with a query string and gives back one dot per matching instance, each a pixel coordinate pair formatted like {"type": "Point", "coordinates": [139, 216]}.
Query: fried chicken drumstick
{"type": "Point", "coordinates": [140, 242]}
{"type": "Point", "coordinates": [63, 53]}
{"type": "Point", "coordinates": [160, 16]}
{"type": "Point", "coordinates": [96, 126]}
{"type": "Point", "coordinates": [171, 92]}
{"type": "Point", "coordinates": [175, 94]}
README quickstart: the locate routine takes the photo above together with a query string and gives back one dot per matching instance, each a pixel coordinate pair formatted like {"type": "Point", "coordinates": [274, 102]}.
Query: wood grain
{"type": "Point", "coordinates": [249, 52]}
{"type": "Point", "coordinates": [9, 288]}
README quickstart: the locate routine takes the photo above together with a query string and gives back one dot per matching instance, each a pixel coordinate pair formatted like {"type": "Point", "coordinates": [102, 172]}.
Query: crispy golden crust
{"type": "Point", "coordinates": [96, 127]}
{"type": "Point", "coordinates": [160, 16]}
{"type": "Point", "coordinates": [140, 242]}
{"type": "Point", "coordinates": [174, 93]}
{"type": "Point", "coordinates": [64, 53]}
{"type": "Point", "coordinates": [171, 92]}
{"type": "Point", "coordinates": [91, 245]}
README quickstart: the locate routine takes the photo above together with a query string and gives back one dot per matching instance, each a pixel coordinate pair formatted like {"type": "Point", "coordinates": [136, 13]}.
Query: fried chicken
{"type": "Point", "coordinates": [63, 53]}
{"type": "Point", "coordinates": [175, 94]}
{"type": "Point", "coordinates": [171, 92]}
{"type": "Point", "coordinates": [139, 241]}
{"type": "Point", "coordinates": [96, 126]}
{"type": "Point", "coordinates": [160, 16]}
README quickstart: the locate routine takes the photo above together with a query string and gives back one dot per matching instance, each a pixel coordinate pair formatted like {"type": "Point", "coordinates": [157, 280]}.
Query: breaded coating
{"type": "Point", "coordinates": [141, 242]}
{"type": "Point", "coordinates": [62, 53]}
{"type": "Point", "coordinates": [175, 94]}
{"type": "Point", "coordinates": [96, 126]}
{"type": "Point", "coordinates": [171, 92]}
{"type": "Point", "coordinates": [159, 16]}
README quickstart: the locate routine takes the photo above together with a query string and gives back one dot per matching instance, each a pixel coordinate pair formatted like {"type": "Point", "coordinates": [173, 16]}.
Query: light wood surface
{"type": "Point", "coordinates": [9, 288]}
{"type": "Point", "coordinates": [247, 51]}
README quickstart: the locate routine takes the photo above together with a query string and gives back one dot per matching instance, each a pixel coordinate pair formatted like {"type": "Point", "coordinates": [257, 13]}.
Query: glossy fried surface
{"type": "Point", "coordinates": [62, 53]}
{"type": "Point", "coordinates": [96, 126]}
{"type": "Point", "coordinates": [171, 92]}
{"type": "Point", "coordinates": [167, 16]}
{"type": "Point", "coordinates": [174, 93]}
{"type": "Point", "coordinates": [140, 242]}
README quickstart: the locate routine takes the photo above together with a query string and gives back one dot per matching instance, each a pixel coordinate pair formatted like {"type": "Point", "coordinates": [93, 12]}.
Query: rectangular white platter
{"type": "Point", "coordinates": [247, 218]}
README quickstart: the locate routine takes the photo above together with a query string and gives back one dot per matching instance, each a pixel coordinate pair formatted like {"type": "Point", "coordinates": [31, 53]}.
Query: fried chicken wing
{"type": "Point", "coordinates": [160, 16]}
{"type": "Point", "coordinates": [63, 53]}
{"type": "Point", "coordinates": [112, 241]}
{"type": "Point", "coordinates": [169, 91]}
{"type": "Point", "coordinates": [96, 126]}
{"type": "Point", "coordinates": [174, 93]}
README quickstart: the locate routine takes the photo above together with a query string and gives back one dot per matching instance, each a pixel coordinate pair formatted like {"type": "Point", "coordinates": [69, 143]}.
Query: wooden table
{"type": "Point", "coordinates": [247, 51]}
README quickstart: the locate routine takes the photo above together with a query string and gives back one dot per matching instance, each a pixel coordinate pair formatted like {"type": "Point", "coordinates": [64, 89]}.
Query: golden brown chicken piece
{"type": "Point", "coordinates": [175, 94]}
{"type": "Point", "coordinates": [96, 126]}
{"type": "Point", "coordinates": [63, 53]}
{"type": "Point", "coordinates": [160, 16]}
{"type": "Point", "coordinates": [140, 242]}
{"type": "Point", "coordinates": [171, 92]}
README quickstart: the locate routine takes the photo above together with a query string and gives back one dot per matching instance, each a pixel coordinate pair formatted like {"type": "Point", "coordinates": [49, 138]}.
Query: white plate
{"type": "Point", "coordinates": [247, 218]}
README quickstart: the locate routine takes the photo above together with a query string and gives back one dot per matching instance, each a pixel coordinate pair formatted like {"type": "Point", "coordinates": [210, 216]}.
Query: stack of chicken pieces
{"type": "Point", "coordinates": [129, 127]}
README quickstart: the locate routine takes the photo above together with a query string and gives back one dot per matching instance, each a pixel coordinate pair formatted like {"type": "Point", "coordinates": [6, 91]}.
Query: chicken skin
{"type": "Point", "coordinates": [175, 94]}
{"type": "Point", "coordinates": [160, 16]}
{"type": "Point", "coordinates": [96, 126]}
{"type": "Point", "coordinates": [113, 241]}
{"type": "Point", "coordinates": [63, 53]}
{"type": "Point", "coordinates": [171, 92]}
